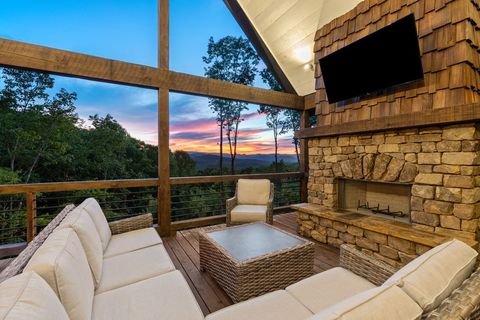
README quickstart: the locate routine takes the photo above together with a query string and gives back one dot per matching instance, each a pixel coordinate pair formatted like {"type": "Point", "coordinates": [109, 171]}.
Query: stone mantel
{"type": "Point", "coordinates": [380, 225]}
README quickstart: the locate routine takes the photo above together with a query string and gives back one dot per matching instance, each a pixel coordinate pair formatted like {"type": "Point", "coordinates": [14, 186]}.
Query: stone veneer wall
{"type": "Point", "coordinates": [442, 163]}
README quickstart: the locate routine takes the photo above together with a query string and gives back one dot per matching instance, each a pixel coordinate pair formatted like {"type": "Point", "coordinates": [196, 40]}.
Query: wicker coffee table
{"type": "Point", "coordinates": [253, 259]}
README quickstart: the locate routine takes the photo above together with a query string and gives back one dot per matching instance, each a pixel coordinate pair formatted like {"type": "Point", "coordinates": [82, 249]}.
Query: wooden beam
{"type": "Point", "coordinates": [304, 123]}
{"type": "Point", "coordinates": [456, 114]}
{"type": "Point", "coordinates": [309, 101]}
{"type": "Point", "coordinates": [31, 200]}
{"type": "Point", "coordinates": [259, 44]}
{"type": "Point", "coordinates": [76, 185]}
{"type": "Point", "coordinates": [34, 57]}
{"type": "Point", "coordinates": [211, 179]}
{"type": "Point", "coordinates": [164, 210]}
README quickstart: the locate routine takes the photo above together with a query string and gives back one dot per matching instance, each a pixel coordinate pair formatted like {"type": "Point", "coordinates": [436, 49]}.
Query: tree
{"type": "Point", "coordinates": [32, 123]}
{"type": "Point", "coordinates": [292, 122]}
{"type": "Point", "coordinates": [230, 59]}
{"type": "Point", "coordinates": [273, 115]}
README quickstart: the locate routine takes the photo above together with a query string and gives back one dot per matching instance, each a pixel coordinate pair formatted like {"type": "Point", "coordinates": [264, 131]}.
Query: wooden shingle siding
{"type": "Point", "coordinates": [449, 38]}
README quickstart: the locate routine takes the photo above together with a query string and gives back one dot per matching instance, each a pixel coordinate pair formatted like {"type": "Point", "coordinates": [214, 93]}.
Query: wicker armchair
{"type": "Point", "coordinates": [232, 204]}
{"type": "Point", "coordinates": [462, 304]}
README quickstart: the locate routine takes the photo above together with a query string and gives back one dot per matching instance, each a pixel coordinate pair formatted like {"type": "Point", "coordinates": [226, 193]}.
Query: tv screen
{"type": "Point", "coordinates": [385, 58]}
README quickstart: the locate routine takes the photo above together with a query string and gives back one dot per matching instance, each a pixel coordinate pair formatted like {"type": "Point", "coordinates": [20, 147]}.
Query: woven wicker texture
{"type": "Point", "coordinates": [364, 265]}
{"type": "Point", "coordinates": [245, 279]}
{"type": "Point", "coordinates": [232, 203]}
{"type": "Point", "coordinates": [130, 224]}
{"type": "Point", "coordinates": [16, 265]}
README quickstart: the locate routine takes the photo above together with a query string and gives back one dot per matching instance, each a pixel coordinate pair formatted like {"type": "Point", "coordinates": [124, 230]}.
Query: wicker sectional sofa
{"type": "Point", "coordinates": [81, 267]}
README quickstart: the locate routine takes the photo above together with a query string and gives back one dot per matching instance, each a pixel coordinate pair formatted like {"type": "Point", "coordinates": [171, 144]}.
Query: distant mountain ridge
{"type": "Point", "coordinates": [210, 160]}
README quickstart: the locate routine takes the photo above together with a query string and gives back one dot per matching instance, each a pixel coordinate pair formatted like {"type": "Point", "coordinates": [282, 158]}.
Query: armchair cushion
{"type": "Point", "coordinates": [253, 191]}
{"type": "Point", "coordinates": [28, 296]}
{"type": "Point", "coordinates": [80, 221]}
{"type": "Point", "coordinates": [248, 213]}
{"type": "Point", "coordinates": [131, 241]}
{"type": "Point", "coordinates": [432, 277]}
{"type": "Point", "coordinates": [328, 288]}
{"type": "Point", "coordinates": [98, 217]}
{"type": "Point", "coordinates": [62, 263]}
{"type": "Point", "coordinates": [386, 302]}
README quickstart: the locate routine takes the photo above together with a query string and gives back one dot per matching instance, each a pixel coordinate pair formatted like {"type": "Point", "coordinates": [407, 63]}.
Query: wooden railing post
{"type": "Point", "coordinates": [163, 198]}
{"type": "Point", "coordinates": [31, 199]}
{"type": "Point", "coordinates": [304, 123]}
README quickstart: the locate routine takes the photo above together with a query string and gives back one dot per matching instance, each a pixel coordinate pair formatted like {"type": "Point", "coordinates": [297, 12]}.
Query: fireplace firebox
{"type": "Point", "coordinates": [383, 199]}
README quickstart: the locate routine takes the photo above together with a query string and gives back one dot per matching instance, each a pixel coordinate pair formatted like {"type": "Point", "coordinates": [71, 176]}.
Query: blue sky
{"type": "Point", "coordinates": [127, 30]}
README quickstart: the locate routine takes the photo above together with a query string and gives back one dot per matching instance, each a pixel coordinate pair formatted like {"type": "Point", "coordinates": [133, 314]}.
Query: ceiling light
{"type": "Point", "coordinates": [303, 54]}
{"type": "Point", "coordinates": [308, 67]}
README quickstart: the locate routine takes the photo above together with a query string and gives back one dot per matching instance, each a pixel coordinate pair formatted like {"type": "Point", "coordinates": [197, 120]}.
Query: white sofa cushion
{"type": "Point", "coordinates": [96, 213]}
{"type": "Point", "coordinates": [28, 296]}
{"type": "Point", "coordinates": [131, 241]}
{"type": "Point", "coordinates": [130, 267]}
{"type": "Point", "coordinates": [80, 221]}
{"type": "Point", "coordinates": [61, 261]}
{"type": "Point", "coordinates": [328, 288]}
{"type": "Point", "coordinates": [253, 191]}
{"type": "Point", "coordinates": [430, 278]}
{"type": "Point", "coordinates": [248, 213]}
{"type": "Point", "coordinates": [164, 297]}
{"type": "Point", "coordinates": [386, 302]}
{"type": "Point", "coordinates": [275, 305]}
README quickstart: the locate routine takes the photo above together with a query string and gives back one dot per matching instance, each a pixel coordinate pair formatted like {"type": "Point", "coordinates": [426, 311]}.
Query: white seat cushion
{"type": "Point", "coordinates": [276, 305]}
{"type": "Point", "coordinates": [248, 213]}
{"type": "Point", "coordinates": [328, 288]}
{"type": "Point", "coordinates": [375, 304]}
{"type": "Point", "coordinates": [164, 297]}
{"type": "Point", "coordinates": [131, 241]}
{"type": "Point", "coordinates": [130, 267]}
{"type": "Point", "coordinates": [96, 213]}
{"type": "Point", "coordinates": [61, 261]}
{"type": "Point", "coordinates": [80, 221]}
{"type": "Point", "coordinates": [253, 191]}
{"type": "Point", "coordinates": [432, 277]}
{"type": "Point", "coordinates": [28, 296]}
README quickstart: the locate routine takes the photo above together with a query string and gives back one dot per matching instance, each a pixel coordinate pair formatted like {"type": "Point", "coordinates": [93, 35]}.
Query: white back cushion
{"type": "Point", "coordinates": [28, 296]}
{"type": "Point", "coordinates": [61, 261]}
{"type": "Point", "coordinates": [80, 221]}
{"type": "Point", "coordinates": [386, 302]}
{"type": "Point", "coordinates": [98, 217]}
{"type": "Point", "coordinates": [432, 277]}
{"type": "Point", "coordinates": [253, 191]}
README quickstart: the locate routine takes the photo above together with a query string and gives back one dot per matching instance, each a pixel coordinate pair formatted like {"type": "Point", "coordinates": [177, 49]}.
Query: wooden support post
{"type": "Point", "coordinates": [304, 123]}
{"type": "Point", "coordinates": [31, 199]}
{"type": "Point", "coordinates": [163, 196]}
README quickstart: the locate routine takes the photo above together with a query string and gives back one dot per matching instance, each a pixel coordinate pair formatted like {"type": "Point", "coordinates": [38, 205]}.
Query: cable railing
{"type": "Point", "coordinates": [194, 201]}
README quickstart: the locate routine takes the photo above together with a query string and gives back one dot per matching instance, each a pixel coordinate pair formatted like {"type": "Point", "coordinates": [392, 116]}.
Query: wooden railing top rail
{"type": "Point", "coordinates": [209, 179]}
{"type": "Point", "coordinates": [76, 185]}
{"type": "Point", "coordinates": [131, 183]}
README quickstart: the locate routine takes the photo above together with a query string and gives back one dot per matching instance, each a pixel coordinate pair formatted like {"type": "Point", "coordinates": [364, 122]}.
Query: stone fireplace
{"type": "Point", "coordinates": [413, 148]}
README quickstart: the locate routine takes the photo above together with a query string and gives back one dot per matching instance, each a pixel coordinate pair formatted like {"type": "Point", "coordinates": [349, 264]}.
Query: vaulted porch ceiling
{"type": "Point", "coordinates": [283, 33]}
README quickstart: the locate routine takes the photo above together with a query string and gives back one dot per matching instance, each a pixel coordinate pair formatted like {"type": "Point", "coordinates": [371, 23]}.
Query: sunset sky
{"type": "Point", "coordinates": [127, 30]}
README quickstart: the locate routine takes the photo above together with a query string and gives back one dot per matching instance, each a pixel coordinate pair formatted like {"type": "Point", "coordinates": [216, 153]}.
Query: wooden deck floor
{"type": "Point", "coordinates": [183, 249]}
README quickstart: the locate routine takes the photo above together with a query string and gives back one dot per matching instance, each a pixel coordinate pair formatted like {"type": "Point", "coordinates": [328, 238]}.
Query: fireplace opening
{"type": "Point", "coordinates": [381, 199]}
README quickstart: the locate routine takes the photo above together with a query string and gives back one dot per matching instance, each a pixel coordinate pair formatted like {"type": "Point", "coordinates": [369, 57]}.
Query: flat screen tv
{"type": "Point", "coordinates": [385, 58]}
